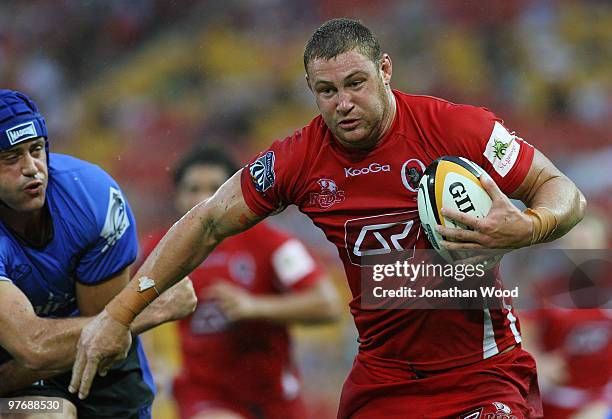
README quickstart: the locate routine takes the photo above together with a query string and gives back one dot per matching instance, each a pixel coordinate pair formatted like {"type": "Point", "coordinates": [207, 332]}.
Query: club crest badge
{"type": "Point", "coordinates": [412, 170]}
{"type": "Point", "coordinates": [329, 194]}
{"type": "Point", "coordinates": [262, 172]}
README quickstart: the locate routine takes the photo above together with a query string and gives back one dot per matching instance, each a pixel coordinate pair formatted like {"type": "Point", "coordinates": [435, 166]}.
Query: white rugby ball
{"type": "Point", "coordinates": [451, 182]}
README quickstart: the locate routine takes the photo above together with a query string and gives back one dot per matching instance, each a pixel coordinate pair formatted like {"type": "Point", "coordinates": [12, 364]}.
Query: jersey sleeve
{"type": "Point", "coordinates": [4, 272]}
{"type": "Point", "coordinates": [479, 135]}
{"type": "Point", "coordinates": [113, 244]}
{"type": "Point", "coordinates": [270, 182]}
{"type": "Point", "coordinates": [293, 265]}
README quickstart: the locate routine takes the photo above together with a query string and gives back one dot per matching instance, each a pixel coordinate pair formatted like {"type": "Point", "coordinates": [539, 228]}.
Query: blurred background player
{"type": "Point", "coordinates": [573, 346]}
{"type": "Point", "coordinates": [236, 348]}
{"type": "Point", "coordinates": [67, 240]}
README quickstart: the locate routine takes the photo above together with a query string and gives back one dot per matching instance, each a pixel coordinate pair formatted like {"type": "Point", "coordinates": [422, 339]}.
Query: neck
{"type": "Point", "coordinates": [30, 226]}
{"type": "Point", "coordinates": [389, 116]}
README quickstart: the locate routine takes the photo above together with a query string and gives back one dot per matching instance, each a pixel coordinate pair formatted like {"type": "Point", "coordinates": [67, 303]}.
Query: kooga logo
{"type": "Point", "coordinates": [373, 168]}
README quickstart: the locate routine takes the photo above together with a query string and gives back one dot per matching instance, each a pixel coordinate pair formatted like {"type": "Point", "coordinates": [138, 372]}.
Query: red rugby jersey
{"type": "Point", "coordinates": [248, 360]}
{"type": "Point", "coordinates": [351, 195]}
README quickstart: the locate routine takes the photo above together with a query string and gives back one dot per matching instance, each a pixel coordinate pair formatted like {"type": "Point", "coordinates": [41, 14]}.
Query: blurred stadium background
{"type": "Point", "coordinates": [131, 85]}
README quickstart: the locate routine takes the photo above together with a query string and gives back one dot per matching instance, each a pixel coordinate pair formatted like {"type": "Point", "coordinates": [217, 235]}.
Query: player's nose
{"type": "Point", "coordinates": [345, 103]}
{"type": "Point", "coordinates": [28, 167]}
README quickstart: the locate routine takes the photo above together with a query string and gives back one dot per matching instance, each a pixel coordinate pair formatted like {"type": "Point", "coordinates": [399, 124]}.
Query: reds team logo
{"type": "Point", "coordinates": [412, 170]}
{"type": "Point", "coordinates": [502, 411]}
{"type": "Point", "coordinates": [329, 195]}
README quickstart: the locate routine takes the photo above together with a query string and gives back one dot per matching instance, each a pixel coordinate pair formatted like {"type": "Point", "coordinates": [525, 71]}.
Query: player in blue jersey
{"type": "Point", "coordinates": [67, 240]}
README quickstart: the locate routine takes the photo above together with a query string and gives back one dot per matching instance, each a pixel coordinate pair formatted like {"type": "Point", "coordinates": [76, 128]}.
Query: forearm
{"type": "Point", "coordinates": [148, 319]}
{"type": "Point", "coordinates": [60, 348]}
{"type": "Point", "coordinates": [183, 248]}
{"type": "Point", "coordinates": [564, 200]}
{"type": "Point", "coordinates": [54, 342]}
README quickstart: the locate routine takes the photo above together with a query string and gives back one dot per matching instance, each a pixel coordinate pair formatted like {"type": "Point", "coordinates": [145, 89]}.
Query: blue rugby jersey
{"type": "Point", "coordinates": [94, 238]}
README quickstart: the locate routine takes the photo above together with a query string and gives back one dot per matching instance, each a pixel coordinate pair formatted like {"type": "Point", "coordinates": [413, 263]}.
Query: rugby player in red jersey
{"type": "Point", "coordinates": [235, 347]}
{"type": "Point", "coordinates": [353, 169]}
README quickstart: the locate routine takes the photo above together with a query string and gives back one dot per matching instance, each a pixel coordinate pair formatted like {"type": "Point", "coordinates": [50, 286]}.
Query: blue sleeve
{"type": "Point", "coordinates": [4, 274]}
{"type": "Point", "coordinates": [113, 245]}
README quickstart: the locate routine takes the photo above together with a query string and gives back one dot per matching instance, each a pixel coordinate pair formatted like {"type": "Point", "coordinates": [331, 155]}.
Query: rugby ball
{"type": "Point", "coordinates": [451, 182]}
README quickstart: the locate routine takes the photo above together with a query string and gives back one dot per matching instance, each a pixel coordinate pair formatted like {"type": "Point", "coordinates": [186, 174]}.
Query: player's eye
{"type": "Point", "coordinates": [327, 91]}
{"type": "Point", "coordinates": [10, 158]}
{"type": "Point", "coordinates": [356, 83]}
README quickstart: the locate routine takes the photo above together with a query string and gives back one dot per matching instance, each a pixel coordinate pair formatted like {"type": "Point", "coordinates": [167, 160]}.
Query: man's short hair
{"type": "Point", "coordinates": [338, 36]}
{"type": "Point", "coordinates": [203, 156]}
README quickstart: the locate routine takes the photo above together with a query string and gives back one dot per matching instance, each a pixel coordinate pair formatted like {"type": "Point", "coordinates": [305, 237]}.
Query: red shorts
{"type": "Point", "coordinates": [193, 399]}
{"type": "Point", "coordinates": [502, 387]}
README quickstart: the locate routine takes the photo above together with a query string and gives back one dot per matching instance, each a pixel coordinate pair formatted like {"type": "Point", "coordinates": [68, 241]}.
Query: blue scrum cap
{"type": "Point", "coordinates": [19, 119]}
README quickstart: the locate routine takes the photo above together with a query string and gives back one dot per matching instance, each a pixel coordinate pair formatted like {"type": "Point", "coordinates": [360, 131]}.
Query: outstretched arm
{"type": "Point", "coordinates": [48, 346]}
{"type": "Point", "coordinates": [106, 339]}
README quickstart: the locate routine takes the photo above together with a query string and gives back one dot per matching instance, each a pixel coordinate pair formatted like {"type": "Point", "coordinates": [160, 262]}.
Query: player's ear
{"type": "Point", "coordinates": [386, 68]}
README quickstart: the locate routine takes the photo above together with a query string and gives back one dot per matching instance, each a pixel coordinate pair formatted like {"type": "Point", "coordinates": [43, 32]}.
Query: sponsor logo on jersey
{"type": "Point", "coordinates": [117, 221]}
{"type": "Point", "coordinates": [262, 172]}
{"type": "Point", "coordinates": [21, 132]}
{"type": "Point", "coordinates": [499, 148]}
{"type": "Point", "coordinates": [474, 414]}
{"type": "Point", "coordinates": [412, 170]}
{"type": "Point", "coordinates": [328, 196]}
{"type": "Point", "coordinates": [372, 168]}
{"type": "Point", "coordinates": [381, 239]}
{"type": "Point", "coordinates": [502, 149]}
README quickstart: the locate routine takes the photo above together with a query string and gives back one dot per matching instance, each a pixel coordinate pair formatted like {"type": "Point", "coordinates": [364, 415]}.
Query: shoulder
{"type": "Point", "coordinates": [82, 187]}
{"type": "Point", "coordinates": [437, 111]}
{"type": "Point", "coordinates": [77, 174]}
